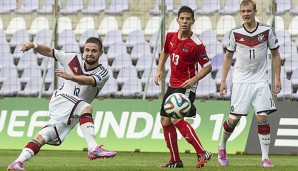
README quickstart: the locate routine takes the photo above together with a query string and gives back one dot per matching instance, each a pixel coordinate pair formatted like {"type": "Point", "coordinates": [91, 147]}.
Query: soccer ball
{"type": "Point", "coordinates": [177, 105]}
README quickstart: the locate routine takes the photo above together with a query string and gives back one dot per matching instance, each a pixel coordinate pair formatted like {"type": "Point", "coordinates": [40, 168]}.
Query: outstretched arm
{"type": "Point", "coordinates": [41, 49]}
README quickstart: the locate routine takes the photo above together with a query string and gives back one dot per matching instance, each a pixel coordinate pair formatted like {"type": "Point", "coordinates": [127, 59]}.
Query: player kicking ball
{"type": "Point", "coordinates": [83, 77]}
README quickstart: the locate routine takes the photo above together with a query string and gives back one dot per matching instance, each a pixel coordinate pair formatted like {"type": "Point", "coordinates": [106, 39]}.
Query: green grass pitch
{"type": "Point", "coordinates": [78, 161]}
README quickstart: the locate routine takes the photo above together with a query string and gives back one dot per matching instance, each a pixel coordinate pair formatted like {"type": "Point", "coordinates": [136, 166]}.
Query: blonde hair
{"type": "Point", "coordinates": [247, 2]}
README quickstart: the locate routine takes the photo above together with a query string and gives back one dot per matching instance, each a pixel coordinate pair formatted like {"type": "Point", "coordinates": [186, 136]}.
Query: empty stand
{"type": "Point", "coordinates": [84, 24]}
{"type": "Point", "coordinates": [282, 7]}
{"type": "Point", "coordinates": [109, 89]}
{"type": "Point", "coordinates": [86, 34]}
{"type": "Point", "coordinates": [107, 23]}
{"type": "Point", "coordinates": [7, 6]}
{"type": "Point", "coordinates": [152, 25]}
{"type": "Point", "coordinates": [28, 6]}
{"type": "Point", "coordinates": [193, 4]}
{"type": "Point", "coordinates": [139, 50]}
{"type": "Point", "coordinates": [279, 23]}
{"type": "Point", "coordinates": [169, 7]}
{"type": "Point", "coordinates": [44, 37]}
{"type": "Point", "coordinates": [208, 36]}
{"type": "Point", "coordinates": [131, 88]}
{"type": "Point", "coordinates": [116, 49]}
{"type": "Point", "coordinates": [71, 47]}
{"type": "Point", "coordinates": [95, 6]}
{"type": "Point", "coordinates": [121, 61]}
{"type": "Point", "coordinates": [135, 37]}
{"type": "Point", "coordinates": [72, 7]}
{"type": "Point", "coordinates": [224, 24]}
{"type": "Point", "coordinates": [293, 27]}
{"type": "Point", "coordinates": [15, 24]}
{"type": "Point", "coordinates": [66, 36]}
{"type": "Point", "coordinates": [64, 23]}
{"type": "Point", "coordinates": [46, 8]}
{"type": "Point", "coordinates": [112, 37]}
{"type": "Point", "coordinates": [130, 24]}
{"type": "Point", "coordinates": [39, 23]}
{"type": "Point", "coordinates": [19, 37]}
{"type": "Point", "coordinates": [201, 24]}
{"type": "Point", "coordinates": [117, 7]}
{"type": "Point", "coordinates": [231, 7]}
{"type": "Point", "coordinates": [209, 7]}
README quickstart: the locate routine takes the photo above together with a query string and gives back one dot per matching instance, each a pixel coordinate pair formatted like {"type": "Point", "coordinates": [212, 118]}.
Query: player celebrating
{"type": "Point", "coordinates": [70, 104]}
{"type": "Point", "coordinates": [185, 50]}
{"type": "Point", "coordinates": [250, 43]}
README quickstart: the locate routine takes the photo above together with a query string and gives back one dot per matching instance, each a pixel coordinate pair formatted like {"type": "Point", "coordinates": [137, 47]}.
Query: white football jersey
{"type": "Point", "coordinates": [250, 50]}
{"type": "Point", "coordinates": [73, 63]}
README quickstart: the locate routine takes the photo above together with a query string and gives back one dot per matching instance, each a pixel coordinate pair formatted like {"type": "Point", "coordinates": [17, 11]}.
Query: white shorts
{"type": "Point", "coordinates": [256, 94]}
{"type": "Point", "coordinates": [63, 107]}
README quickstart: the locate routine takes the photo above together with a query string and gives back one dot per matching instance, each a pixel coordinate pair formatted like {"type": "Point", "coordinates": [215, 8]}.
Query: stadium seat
{"type": "Point", "coordinates": [44, 37]}
{"type": "Point", "coordinates": [294, 11]}
{"type": "Point", "coordinates": [104, 60]}
{"type": "Point", "coordinates": [139, 50]}
{"type": "Point", "coordinates": [130, 24]}
{"type": "Point", "coordinates": [225, 39]}
{"type": "Point", "coordinates": [39, 23]}
{"type": "Point", "coordinates": [1, 24]}
{"type": "Point", "coordinates": [153, 90]}
{"type": "Point", "coordinates": [224, 24]}
{"type": "Point", "coordinates": [231, 7]}
{"type": "Point", "coordinates": [208, 36]}
{"type": "Point", "coordinates": [121, 61]}
{"type": "Point", "coordinates": [10, 87]}
{"type": "Point", "coordinates": [279, 23]}
{"type": "Point", "coordinates": [169, 7]}
{"type": "Point", "coordinates": [117, 7]}
{"type": "Point", "coordinates": [293, 27]}
{"type": "Point", "coordinates": [86, 34]}
{"type": "Point", "coordinates": [282, 7]}
{"type": "Point", "coordinates": [8, 71]}
{"type": "Point", "coordinates": [19, 37]}
{"type": "Point", "coordinates": [107, 23]}
{"type": "Point", "coordinates": [148, 73]}
{"type": "Point", "coordinates": [26, 60]}
{"type": "Point", "coordinates": [218, 76]}
{"type": "Point", "coordinates": [4, 47]}
{"type": "Point", "coordinates": [116, 49]}
{"type": "Point", "coordinates": [131, 88]}
{"type": "Point", "coordinates": [47, 63]}
{"type": "Point", "coordinates": [283, 36]}
{"type": "Point", "coordinates": [109, 89]}
{"type": "Point", "coordinates": [201, 24]}
{"type": "Point", "coordinates": [72, 46]}
{"type": "Point", "coordinates": [155, 40]}
{"type": "Point", "coordinates": [32, 87]}
{"type": "Point", "coordinates": [31, 72]}
{"type": "Point", "coordinates": [144, 62]}
{"type": "Point", "coordinates": [286, 91]}
{"type": "Point", "coordinates": [193, 4]}
{"type": "Point", "coordinates": [125, 74]}
{"type": "Point", "coordinates": [209, 7]}
{"type": "Point", "coordinates": [94, 7]}
{"type": "Point", "coordinates": [287, 50]}
{"type": "Point", "coordinates": [28, 6]}
{"type": "Point", "coordinates": [47, 7]}
{"type": "Point", "coordinates": [84, 24]}
{"type": "Point", "coordinates": [72, 7]}
{"type": "Point", "coordinates": [135, 37]}
{"type": "Point", "coordinates": [7, 6]}
{"type": "Point", "coordinates": [152, 25]}
{"type": "Point", "coordinates": [217, 62]}
{"type": "Point", "coordinates": [6, 59]}
{"type": "Point", "coordinates": [214, 48]}
{"type": "Point", "coordinates": [112, 37]}
{"type": "Point", "coordinates": [17, 53]}
{"type": "Point", "coordinates": [174, 26]}
{"type": "Point", "coordinates": [206, 88]}
{"type": "Point", "coordinates": [15, 24]}
{"type": "Point", "coordinates": [66, 36]}
{"type": "Point", "coordinates": [291, 64]}
{"type": "Point", "coordinates": [294, 78]}
{"type": "Point", "coordinates": [64, 23]}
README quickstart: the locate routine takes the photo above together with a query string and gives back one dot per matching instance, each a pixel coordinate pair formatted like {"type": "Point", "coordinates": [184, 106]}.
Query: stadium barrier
{"type": "Point", "coordinates": [121, 125]}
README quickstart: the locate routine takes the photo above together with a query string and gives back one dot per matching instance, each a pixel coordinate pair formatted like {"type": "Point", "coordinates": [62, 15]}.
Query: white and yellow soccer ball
{"type": "Point", "coordinates": [177, 105]}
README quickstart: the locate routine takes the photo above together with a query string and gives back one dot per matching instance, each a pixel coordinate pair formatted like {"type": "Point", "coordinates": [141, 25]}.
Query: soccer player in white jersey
{"type": "Point", "coordinates": [70, 104]}
{"type": "Point", "coordinates": [250, 43]}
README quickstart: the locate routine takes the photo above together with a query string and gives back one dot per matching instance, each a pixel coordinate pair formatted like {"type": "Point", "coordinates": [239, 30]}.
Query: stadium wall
{"type": "Point", "coordinates": [121, 125]}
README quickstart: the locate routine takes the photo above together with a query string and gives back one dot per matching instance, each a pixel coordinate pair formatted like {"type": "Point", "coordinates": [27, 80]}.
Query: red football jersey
{"type": "Point", "coordinates": [185, 56]}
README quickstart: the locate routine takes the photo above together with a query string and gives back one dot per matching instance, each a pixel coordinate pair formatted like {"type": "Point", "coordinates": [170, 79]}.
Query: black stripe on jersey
{"type": "Point", "coordinates": [70, 98]}
{"type": "Point", "coordinates": [103, 73]}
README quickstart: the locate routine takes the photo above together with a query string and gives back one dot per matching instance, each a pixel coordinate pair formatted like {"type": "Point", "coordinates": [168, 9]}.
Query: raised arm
{"type": "Point", "coordinates": [41, 49]}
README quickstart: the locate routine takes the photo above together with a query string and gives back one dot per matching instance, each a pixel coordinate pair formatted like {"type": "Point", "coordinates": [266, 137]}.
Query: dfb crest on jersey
{"type": "Point", "coordinates": [261, 37]}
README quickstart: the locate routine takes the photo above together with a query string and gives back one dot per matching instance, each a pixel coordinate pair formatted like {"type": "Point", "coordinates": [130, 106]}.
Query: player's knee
{"type": "Point", "coordinates": [87, 109]}
{"type": "Point", "coordinates": [234, 119]}
{"type": "Point", "coordinates": [165, 121]}
{"type": "Point", "coordinates": [262, 118]}
{"type": "Point", "coordinates": [48, 134]}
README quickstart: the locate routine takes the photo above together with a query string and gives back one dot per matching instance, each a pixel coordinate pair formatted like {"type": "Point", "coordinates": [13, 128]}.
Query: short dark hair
{"type": "Point", "coordinates": [96, 41]}
{"type": "Point", "coordinates": [186, 9]}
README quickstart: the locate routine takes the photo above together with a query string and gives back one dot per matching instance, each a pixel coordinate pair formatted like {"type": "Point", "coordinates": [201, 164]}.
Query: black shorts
{"type": "Point", "coordinates": [191, 96]}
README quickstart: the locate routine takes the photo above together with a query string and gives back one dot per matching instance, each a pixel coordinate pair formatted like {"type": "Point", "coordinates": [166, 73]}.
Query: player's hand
{"type": "Point", "coordinates": [27, 46]}
{"type": "Point", "coordinates": [63, 74]}
{"type": "Point", "coordinates": [277, 87]}
{"type": "Point", "coordinates": [188, 84]}
{"type": "Point", "coordinates": [223, 89]}
{"type": "Point", "coordinates": [157, 77]}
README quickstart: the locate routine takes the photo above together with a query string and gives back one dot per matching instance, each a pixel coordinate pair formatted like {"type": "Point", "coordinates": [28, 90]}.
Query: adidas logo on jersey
{"type": "Point", "coordinates": [241, 40]}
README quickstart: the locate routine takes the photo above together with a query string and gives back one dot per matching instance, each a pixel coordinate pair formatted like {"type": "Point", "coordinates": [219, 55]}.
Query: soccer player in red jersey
{"type": "Point", "coordinates": [186, 51]}
{"type": "Point", "coordinates": [83, 77]}
{"type": "Point", "coordinates": [250, 43]}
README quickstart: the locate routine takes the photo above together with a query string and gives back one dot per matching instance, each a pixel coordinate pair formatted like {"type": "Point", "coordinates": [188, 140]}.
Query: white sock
{"type": "Point", "coordinates": [264, 142]}
{"type": "Point", "coordinates": [89, 134]}
{"type": "Point", "coordinates": [25, 155]}
{"type": "Point", "coordinates": [223, 141]}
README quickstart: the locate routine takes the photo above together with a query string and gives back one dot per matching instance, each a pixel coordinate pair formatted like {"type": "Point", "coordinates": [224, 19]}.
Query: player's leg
{"type": "Point", "coordinates": [189, 133]}
{"type": "Point", "coordinates": [240, 101]}
{"type": "Point", "coordinates": [264, 104]}
{"type": "Point", "coordinates": [87, 127]}
{"type": "Point", "coordinates": [170, 135]}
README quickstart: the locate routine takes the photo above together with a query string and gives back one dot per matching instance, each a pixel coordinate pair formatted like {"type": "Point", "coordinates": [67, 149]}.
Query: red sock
{"type": "Point", "coordinates": [34, 146]}
{"type": "Point", "coordinates": [190, 135]}
{"type": "Point", "coordinates": [170, 135]}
